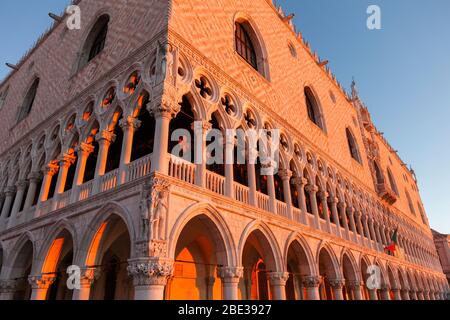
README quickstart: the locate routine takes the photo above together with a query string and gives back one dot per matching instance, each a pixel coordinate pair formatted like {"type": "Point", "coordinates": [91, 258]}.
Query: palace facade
{"type": "Point", "coordinates": [88, 178]}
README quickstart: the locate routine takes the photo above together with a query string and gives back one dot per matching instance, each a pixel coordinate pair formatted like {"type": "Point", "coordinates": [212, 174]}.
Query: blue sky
{"type": "Point", "coordinates": [402, 71]}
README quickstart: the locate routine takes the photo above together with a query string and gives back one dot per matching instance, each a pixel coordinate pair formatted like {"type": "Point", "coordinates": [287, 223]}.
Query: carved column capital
{"type": "Point", "coordinates": [405, 288]}
{"type": "Point", "coordinates": [230, 274]}
{"type": "Point", "coordinates": [342, 205]}
{"type": "Point", "coordinates": [129, 122]}
{"type": "Point", "coordinates": [285, 174]}
{"type": "Point", "coordinates": [35, 177]}
{"type": "Point", "coordinates": [201, 126]}
{"type": "Point", "coordinates": [323, 195]}
{"type": "Point", "coordinates": [85, 148]}
{"type": "Point", "coordinates": [105, 136]}
{"type": "Point", "coordinates": [149, 271]}
{"type": "Point", "coordinates": [21, 184]}
{"type": "Point", "coordinates": [385, 287]}
{"type": "Point", "coordinates": [337, 283]}
{"type": "Point", "coordinates": [51, 169]}
{"type": "Point", "coordinates": [67, 160]}
{"type": "Point", "coordinates": [334, 200]}
{"type": "Point", "coordinates": [311, 281]}
{"type": "Point", "coordinates": [278, 278]}
{"type": "Point", "coordinates": [8, 286]}
{"type": "Point", "coordinates": [166, 108]}
{"type": "Point", "coordinates": [10, 191]}
{"type": "Point", "coordinates": [89, 275]}
{"type": "Point", "coordinates": [41, 281]}
{"type": "Point", "coordinates": [351, 211]}
{"type": "Point", "coordinates": [353, 284]}
{"type": "Point", "coordinates": [312, 189]}
{"type": "Point", "coordinates": [299, 181]}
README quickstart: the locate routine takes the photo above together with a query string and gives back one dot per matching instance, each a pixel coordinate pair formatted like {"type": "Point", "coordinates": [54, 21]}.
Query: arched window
{"type": "Point", "coordinates": [378, 173]}
{"type": "Point", "coordinates": [95, 41]}
{"type": "Point", "coordinates": [250, 46]}
{"type": "Point", "coordinates": [313, 109]}
{"type": "Point", "coordinates": [244, 45]}
{"type": "Point", "coordinates": [392, 182]}
{"type": "Point", "coordinates": [410, 204]}
{"type": "Point", "coordinates": [422, 214]}
{"type": "Point", "coordinates": [353, 146]}
{"type": "Point", "coordinates": [29, 101]}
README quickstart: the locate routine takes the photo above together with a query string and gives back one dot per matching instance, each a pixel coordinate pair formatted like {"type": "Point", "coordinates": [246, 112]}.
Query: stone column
{"type": "Point", "coordinates": [355, 287]}
{"type": "Point", "coordinates": [278, 284]}
{"type": "Point", "coordinates": [8, 289]}
{"type": "Point", "coordinates": [351, 212]}
{"type": "Point", "coordinates": [251, 184]}
{"type": "Point", "coordinates": [373, 233]}
{"type": "Point", "coordinates": [105, 139]}
{"type": "Point", "coordinates": [420, 295]}
{"type": "Point", "coordinates": [270, 188]}
{"type": "Point", "coordinates": [150, 277]}
{"type": "Point", "coordinates": [129, 125]}
{"type": "Point", "coordinates": [412, 295]}
{"type": "Point", "coordinates": [373, 294]}
{"type": "Point", "coordinates": [324, 197]}
{"type": "Point", "coordinates": [385, 292]}
{"type": "Point", "coordinates": [88, 277]}
{"type": "Point", "coordinates": [334, 212]}
{"type": "Point", "coordinates": [285, 176]}
{"type": "Point", "coordinates": [200, 129]}
{"type": "Point", "coordinates": [64, 164]}
{"type": "Point", "coordinates": [342, 211]}
{"type": "Point", "coordinates": [380, 240]}
{"type": "Point", "coordinates": [312, 191]}
{"type": "Point", "coordinates": [9, 198]}
{"type": "Point", "coordinates": [228, 163]}
{"type": "Point", "coordinates": [40, 285]}
{"type": "Point", "coordinates": [366, 230]}
{"type": "Point", "coordinates": [21, 186]}
{"type": "Point", "coordinates": [300, 184]}
{"type": "Point", "coordinates": [230, 277]}
{"type": "Point", "coordinates": [49, 172]}
{"type": "Point", "coordinates": [426, 295]}
{"type": "Point", "coordinates": [163, 111]}
{"type": "Point", "coordinates": [358, 216]}
{"type": "Point", "coordinates": [34, 179]}
{"type": "Point", "coordinates": [337, 285]}
{"type": "Point", "coordinates": [397, 295]}
{"type": "Point", "coordinates": [388, 236]}
{"type": "Point", "coordinates": [311, 283]}
{"type": "Point", "coordinates": [83, 152]}
{"type": "Point", "coordinates": [405, 293]}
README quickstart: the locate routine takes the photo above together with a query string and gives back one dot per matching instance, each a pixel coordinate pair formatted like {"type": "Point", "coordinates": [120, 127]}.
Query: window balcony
{"type": "Point", "coordinates": [386, 193]}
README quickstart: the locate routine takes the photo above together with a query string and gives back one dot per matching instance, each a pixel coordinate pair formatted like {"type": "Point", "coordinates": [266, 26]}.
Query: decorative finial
{"type": "Point", "coordinates": [12, 66]}
{"type": "Point", "coordinates": [55, 17]}
{"type": "Point", "coordinates": [355, 94]}
{"type": "Point", "coordinates": [289, 17]}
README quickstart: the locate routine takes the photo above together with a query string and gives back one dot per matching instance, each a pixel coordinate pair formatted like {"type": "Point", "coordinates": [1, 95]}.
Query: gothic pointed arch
{"type": "Point", "coordinates": [28, 101]}
{"type": "Point", "coordinates": [353, 145]}
{"type": "Point", "coordinates": [95, 41]}
{"type": "Point", "coordinates": [212, 218]}
{"type": "Point", "coordinates": [249, 44]}
{"type": "Point", "coordinates": [313, 107]}
{"type": "Point", "coordinates": [88, 249]}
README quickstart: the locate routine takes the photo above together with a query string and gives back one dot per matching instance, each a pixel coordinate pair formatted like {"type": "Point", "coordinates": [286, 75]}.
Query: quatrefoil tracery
{"type": "Point", "coordinates": [228, 105]}
{"type": "Point", "coordinates": [204, 88]}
